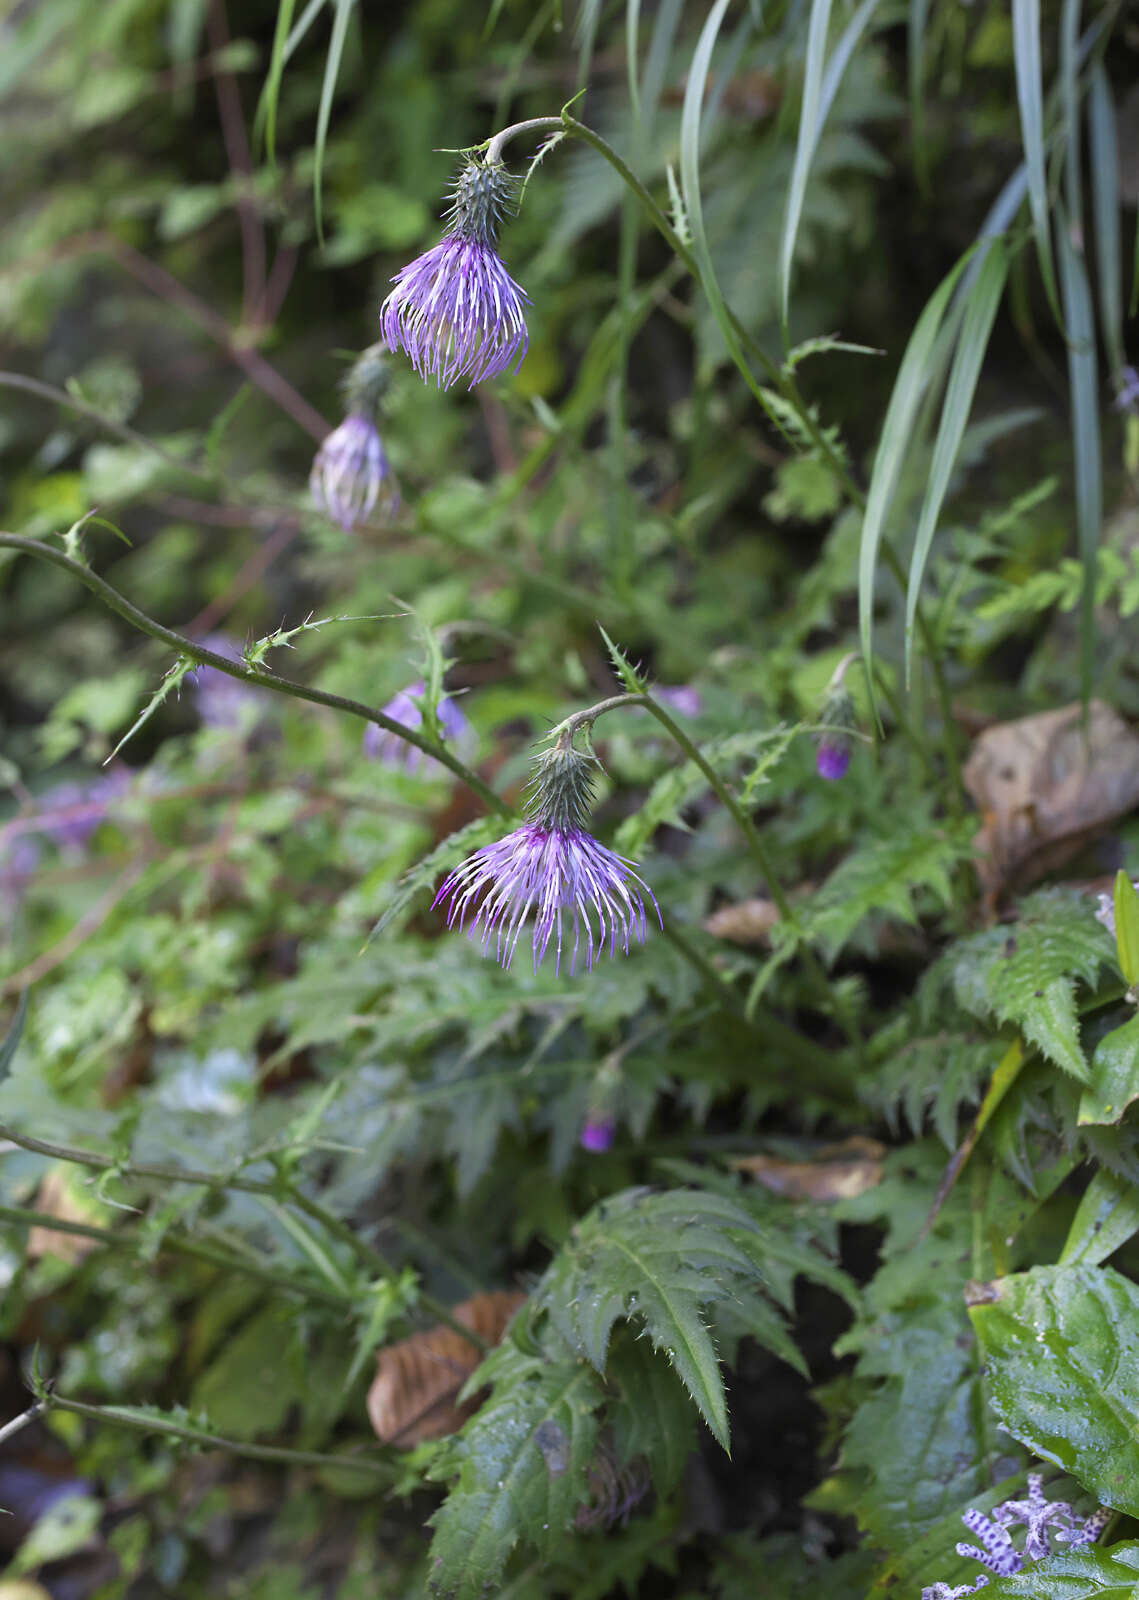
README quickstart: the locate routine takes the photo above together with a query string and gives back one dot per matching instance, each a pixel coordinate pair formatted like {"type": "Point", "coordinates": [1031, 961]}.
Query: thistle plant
{"type": "Point", "coordinates": [350, 474]}
{"type": "Point", "coordinates": [837, 723]}
{"type": "Point", "coordinates": [455, 310]}
{"type": "Point", "coordinates": [551, 867]}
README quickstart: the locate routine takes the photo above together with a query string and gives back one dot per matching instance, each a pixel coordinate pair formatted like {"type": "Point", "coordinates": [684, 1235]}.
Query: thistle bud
{"type": "Point", "coordinates": [838, 721]}
{"type": "Point", "coordinates": [561, 792]}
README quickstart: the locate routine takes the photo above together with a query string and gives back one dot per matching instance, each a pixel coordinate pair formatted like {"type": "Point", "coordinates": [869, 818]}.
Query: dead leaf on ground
{"type": "Point", "coordinates": [414, 1393]}
{"type": "Point", "coordinates": [836, 1171]}
{"type": "Point", "coordinates": [58, 1198]}
{"type": "Point", "coordinates": [1044, 785]}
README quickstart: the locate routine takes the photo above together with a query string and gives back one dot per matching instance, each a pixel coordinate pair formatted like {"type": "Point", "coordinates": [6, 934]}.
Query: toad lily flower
{"type": "Point", "coordinates": [455, 310]}
{"type": "Point", "coordinates": [552, 867]}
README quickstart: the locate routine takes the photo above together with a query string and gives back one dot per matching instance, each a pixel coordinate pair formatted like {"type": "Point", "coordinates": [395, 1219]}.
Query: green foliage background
{"type": "Point", "coordinates": [297, 1118]}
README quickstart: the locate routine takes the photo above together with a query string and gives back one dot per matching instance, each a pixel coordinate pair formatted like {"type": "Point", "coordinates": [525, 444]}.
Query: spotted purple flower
{"type": "Point", "coordinates": [558, 873]}
{"type": "Point", "coordinates": [597, 1133]}
{"type": "Point", "coordinates": [455, 310]}
{"type": "Point", "coordinates": [350, 473]}
{"type": "Point", "coordinates": [1000, 1555]}
{"type": "Point", "coordinates": [380, 745]}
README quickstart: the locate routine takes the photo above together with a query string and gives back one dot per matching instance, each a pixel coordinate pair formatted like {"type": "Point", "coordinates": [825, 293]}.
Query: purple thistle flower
{"type": "Point", "coordinates": [455, 310]}
{"type": "Point", "coordinates": [351, 471]}
{"type": "Point", "coordinates": [380, 745]}
{"type": "Point", "coordinates": [682, 697]}
{"type": "Point", "coordinates": [832, 758]}
{"type": "Point", "coordinates": [552, 871]}
{"type": "Point", "coordinates": [597, 1133]}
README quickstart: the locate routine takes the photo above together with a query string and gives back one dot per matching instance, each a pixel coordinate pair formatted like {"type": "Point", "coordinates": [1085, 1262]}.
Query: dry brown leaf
{"type": "Point", "coordinates": [837, 1172]}
{"type": "Point", "coordinates": [1043, 787]}
{"type": "Point", "coordinates": [59, 1199]}
{"type": "Point", "coordinates": [413, 1395]}
{"type": "Point", "coordinates": [745, 922]}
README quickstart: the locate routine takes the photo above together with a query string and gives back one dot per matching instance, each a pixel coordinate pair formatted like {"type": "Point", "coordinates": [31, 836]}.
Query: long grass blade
{"type": "Point", "coordinates": [909, 387]}
{"type": "Point", "coordinates": [1085, 438]}
{"type": "Point", "coordinates": [980, 311]}
{"type": "Point", "coordinates": [308, 17]}
{"type": "Point", "coordinates": [266, 118]}
{"type": "Point", "coordinates": [915, 48]}
{"type": "Point", "coordinates": [1105, 207]}
{"type": "Point", "coordinates": [343, 11]}
{"type": "Point", "coordinates": [817, 102]}
{"type": "Point", "coordinates": [817, 31]}
{"type": "Point", "coordinates": [1030, 99]}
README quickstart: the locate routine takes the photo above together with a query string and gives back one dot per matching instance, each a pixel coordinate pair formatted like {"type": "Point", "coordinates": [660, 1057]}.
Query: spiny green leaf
{"type": "Point", "coordinates": [1026, 974]}
{"type": "Point", "coordinates": [1062, 1349]}
{"type": "Point", "coordinates": [523, 1469]}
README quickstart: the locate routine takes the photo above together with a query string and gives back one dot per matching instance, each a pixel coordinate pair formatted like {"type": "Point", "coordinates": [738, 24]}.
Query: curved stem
{"type": "Point", "coordinates": [142, 1422]}
{"type": "Point", "coordinates": [255, 675]}
{"type": "Point", "coordinates": [279, 1188]}
{"type": "Point", "coordinates": [494, 147]}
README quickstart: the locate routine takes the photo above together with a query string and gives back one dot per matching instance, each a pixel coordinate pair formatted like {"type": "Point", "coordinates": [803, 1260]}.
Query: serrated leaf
{"type": "Point", "coordinates": [1106, 1217]}
{"type": "Point", "coordinates": [651, 1416]}
{"type": "Point", "coordinates": [633, 679]}
{"type": "Point", "coordinates": [1062, 1350]}
{"type": "Point", "coordinates": [523, 1465]}
{"type": "Point", "coordinates": [663, 1261]}
{"type": "Point", "coordinates": [1026, 974]}
{"type": "Point", "coordinates": [1114, 1076]}
{"type": "Point", "coordinates": [679, 787]}
{"type": "Point", "coordinates": [1082, 1575]}
{"type": "Point", "coordinates": [882, 876]}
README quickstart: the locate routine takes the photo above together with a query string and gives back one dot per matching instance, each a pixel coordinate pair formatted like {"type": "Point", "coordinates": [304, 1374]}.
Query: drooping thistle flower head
{"type": "Point", "coordinates": [838, 721]}
{"type": "Point", "coordinates": [350, 474]}
{"type": "Point", "coordinates": [455, 310]}
{"type": "Point", "coordinates": [1040, 1516]}
{"type": "Point", "coordinates": [553, 868]}
{"type": "Point", "coordinates": [381, 745]}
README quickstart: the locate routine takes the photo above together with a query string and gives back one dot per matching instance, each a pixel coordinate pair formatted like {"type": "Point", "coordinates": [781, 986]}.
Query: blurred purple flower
{"type": "Point", "coordinates": [683, 698]}
{"type": "Point", "coordinates": [380, 745]}
{"type": "Point", "coordinates": [597, 1133]}
{"type": "Point", "coordinates": [1127, 398]}
{"type": "Point", "coordinates": [71, 812]}
{"type": "Point", "coordinates": [1000, 1555]}
{"type": "Point", "coordinates": [552, 871]}
{"type": "Point", "coordinates": [18, 862]}
{"type": "Point", "coordinates": [455, 310]}
{"type": "Point", "coordinates": [832, 758]}
{"type": "Point", "coordinates": [350, 471]}
{"type": "Point", "coordinates": [221, 699]}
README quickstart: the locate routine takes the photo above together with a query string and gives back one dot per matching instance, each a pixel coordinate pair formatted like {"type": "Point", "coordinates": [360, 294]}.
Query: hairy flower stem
{"type": "Point", "coordinates": [142, 1422]}
{"type": "Point", "coordinates": [256, 675]}
{"type": "Point", "coordinates": [754, 840]}
{"type": "Point", "coordinates": [279, 1189]}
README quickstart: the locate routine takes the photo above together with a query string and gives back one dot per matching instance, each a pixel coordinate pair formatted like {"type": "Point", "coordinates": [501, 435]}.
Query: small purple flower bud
{"type": "Point", "coordinates": [455, 310]}
{"type": "Point", "coordinates": [597, 1133]}
{"type": "Point", "coordinates": [351, 472]}
{"type": "Point", "coordinates": [553, 867]}
{"type": "Point", "coordinates": [380, 745]}
{"type": "Point", "coordinates": [832, 759]}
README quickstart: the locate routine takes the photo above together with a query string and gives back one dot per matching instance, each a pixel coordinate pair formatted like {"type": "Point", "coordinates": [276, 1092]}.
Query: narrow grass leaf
{"type": "Point", "coordinates": [1082, 381]}
{"type": "Point", "coordinates": [818, 98]}
{"type": "Point", "coordinates": [805, 147]}
{"type": "Point", "coordinates": [918, 18]}
{"type": "Point", "coordinates": [328, 89]}
{"type": "Point", "coordinates": [980, 310]}
{"type": "Point", "coordinates": [909, 387]}
{"type": "Point", "coordinates": [1030, 99]}
{"type": "Point", "coordinates": [307, 18]}
{"type": "Point", "coordinates": [266, 119]}
{"type": "Point", "coordinates": [1104, 168]}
